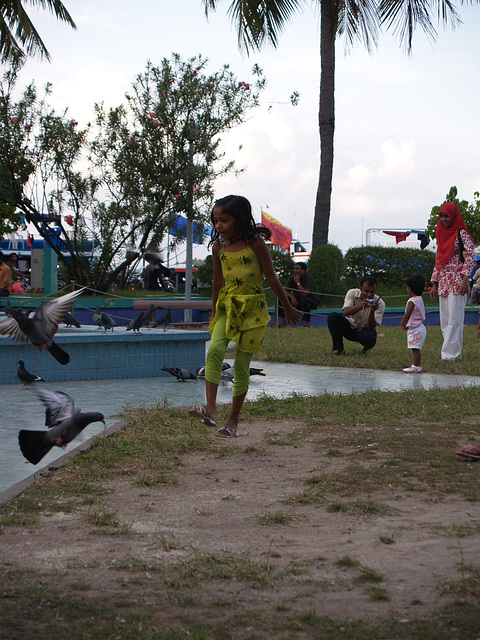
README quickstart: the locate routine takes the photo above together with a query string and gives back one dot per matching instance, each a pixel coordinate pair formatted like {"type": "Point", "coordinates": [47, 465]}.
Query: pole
{"type": "Point", "coordinates": [187, 314]}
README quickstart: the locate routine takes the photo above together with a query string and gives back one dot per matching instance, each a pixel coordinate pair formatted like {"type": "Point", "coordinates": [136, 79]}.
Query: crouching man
{"type": "Point", "coordinates": [362, 311]}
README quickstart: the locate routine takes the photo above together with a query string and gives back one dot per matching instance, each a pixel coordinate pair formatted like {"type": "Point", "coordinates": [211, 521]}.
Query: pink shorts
{"type": "Point", "coordinates": [416, 337]}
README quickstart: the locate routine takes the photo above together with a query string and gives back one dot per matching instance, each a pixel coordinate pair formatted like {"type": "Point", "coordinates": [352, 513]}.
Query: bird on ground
{"type": "Point", "coordinates": [182, 375]}
{"type": "Point", "coordinates": [107, 322]}
{"type": "Point", "coordinates": [148, 316]}
{"type": "Point", "coordinates": [200, 372]}
{"type": "Point", "coordinates": [70, 321]}
{"type": "Point", "coordinates": [165, 320]}
{"type": "Point", "coordinates": [25, 376]}
{"type": "Point", "coordinates": [41, 327]}
{"type": "Point", "coordinates": [64, 423]}
{"type": "Point", "coordinates": [137, 323]}
{"type": "Point", "coordinates": [227, 374]}
{"type": "Point", "coordinates": [96, 317]}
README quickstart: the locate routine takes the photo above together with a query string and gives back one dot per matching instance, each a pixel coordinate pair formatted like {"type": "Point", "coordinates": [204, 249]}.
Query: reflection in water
{"type": "Point", "coordinates": [22, 409]}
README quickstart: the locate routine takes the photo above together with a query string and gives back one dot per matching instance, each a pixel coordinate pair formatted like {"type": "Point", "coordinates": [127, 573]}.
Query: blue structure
{"type": "Point", "coordinates": [95, 355]}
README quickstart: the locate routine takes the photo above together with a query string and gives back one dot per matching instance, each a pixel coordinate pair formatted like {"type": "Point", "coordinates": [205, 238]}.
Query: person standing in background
{"type": "Point", "coordinates": [454, 263]}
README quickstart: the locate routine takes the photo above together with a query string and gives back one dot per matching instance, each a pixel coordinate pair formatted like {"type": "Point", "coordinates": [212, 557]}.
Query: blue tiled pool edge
{"type": "Point", "coordinates": [100, 356]}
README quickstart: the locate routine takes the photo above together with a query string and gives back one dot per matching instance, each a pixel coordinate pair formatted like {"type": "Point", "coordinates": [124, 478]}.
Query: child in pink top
{"type": "Point", "coordinates": [413, 320]}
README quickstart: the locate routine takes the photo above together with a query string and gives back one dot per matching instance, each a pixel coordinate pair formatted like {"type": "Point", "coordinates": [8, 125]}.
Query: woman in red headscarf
{"type": "Point", "coordinates": [452, 270]}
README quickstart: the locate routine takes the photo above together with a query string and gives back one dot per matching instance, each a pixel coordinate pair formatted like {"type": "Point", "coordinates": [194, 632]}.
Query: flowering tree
{"type": "Point", "coordinates": [100, 196]}
{"type": "Point", "coordinates": [470, 213]}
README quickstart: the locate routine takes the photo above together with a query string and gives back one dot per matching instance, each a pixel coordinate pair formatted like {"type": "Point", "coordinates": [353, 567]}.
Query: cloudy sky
{"type": "Point", "coordinates": [407, 127]}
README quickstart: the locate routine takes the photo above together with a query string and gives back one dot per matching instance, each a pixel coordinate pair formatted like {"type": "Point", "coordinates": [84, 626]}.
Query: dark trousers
{"type": "Point", "coordinates": [4, 293]}
{"type": "Point", "coordinates": [341, 328]}
{"type": "Point", "coordinates": [305, 304]}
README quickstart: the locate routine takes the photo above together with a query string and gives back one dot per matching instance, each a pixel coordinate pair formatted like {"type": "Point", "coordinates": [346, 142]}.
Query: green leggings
{"type": "Point", "coordinates": [216, 353]}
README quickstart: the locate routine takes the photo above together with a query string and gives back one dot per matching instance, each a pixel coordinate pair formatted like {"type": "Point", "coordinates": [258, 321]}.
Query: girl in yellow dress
{"type": "Point", "coordinates": [241, 260]}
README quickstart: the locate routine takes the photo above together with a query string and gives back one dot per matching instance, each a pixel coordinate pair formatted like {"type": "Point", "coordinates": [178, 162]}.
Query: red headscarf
{"type": "Point", "coordinates": [446, 235]}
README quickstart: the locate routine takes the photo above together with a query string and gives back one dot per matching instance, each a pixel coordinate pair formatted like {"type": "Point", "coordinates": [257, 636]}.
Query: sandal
{"type": "Point", "coordinates": [470, 451]}
{"type": "Point", "coordinates": [201, 411]}
{"type": "Point", "coordinates": [227, 432]}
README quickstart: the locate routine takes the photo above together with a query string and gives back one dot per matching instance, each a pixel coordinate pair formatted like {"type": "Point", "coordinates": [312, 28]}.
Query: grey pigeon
{"type": "Point", "coordinates": [228, 373]}
{"type": "Point", "coordinates": [182, 375]}
{"type": "Point", "coordinates": [64, 422]}
{"type": "Point", "coordinates": [107, 322]}
{"type": "Point", "coordinates": [165, 320]}
{"type": "Point", "coordinates": [148, 316]}
{"type": "Point", "coordinates": [25, 376]}
{"type": "Point", "coordinates": [96, 317]}
{"type": "Point", "coordinates": [137, 323]}
{"type": "Point", "coordinates": [70, 321]}
{"type": "Point", "coordinates": [41, 327]}
{"type": "Point", "coordinates": [200, 372]}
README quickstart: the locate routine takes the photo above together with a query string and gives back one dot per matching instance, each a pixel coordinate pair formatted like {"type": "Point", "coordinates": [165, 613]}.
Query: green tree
{"type": "Point", "coordinates": [470, 213]}
{"type": "Point", "coordinates": [261, 21]}
{"type": "Point", "coordinates": [101, 196]}
{"type": "Point", "coordinates": [19, 38]}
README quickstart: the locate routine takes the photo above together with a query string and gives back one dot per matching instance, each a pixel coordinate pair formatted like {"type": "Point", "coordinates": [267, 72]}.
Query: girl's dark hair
{"type": "Point", "coordinates": [416, 284]}
{"type": "Point", "coordinates": [241, 209]}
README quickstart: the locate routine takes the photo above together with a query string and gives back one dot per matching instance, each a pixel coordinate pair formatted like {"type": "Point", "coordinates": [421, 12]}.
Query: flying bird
{"type": "Point", "coordinates": [25, 376]}
{"type": "Point", "coordinates": [148, 316]}
{"type": "Point", "coordinates": [41, 327]}
{"type": "Point", "coordinates": [137, 323]}
{"type": "Point", "coordinates": [96, 317]}
{"type": "Point", "coordinates": [107, 322]}
{"type": "Point", "coordinates": [70, 321]}
{"type": "Point", "coordinates": [182, 375]}
{"type": "Point", "coordinates": [64, 423]}
{"type": "Point", "coordinates": [165, 320]}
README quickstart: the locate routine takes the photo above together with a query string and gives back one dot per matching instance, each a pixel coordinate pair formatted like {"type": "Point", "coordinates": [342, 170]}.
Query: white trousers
{"type": "Point", "coordinates": [452, 316]}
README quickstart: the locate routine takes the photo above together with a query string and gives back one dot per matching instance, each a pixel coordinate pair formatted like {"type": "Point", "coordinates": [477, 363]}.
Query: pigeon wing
{"type": "Point", "coordinates": [51, 314]}
{"type": "Point", "coordinates": [10, 327]}
{"type": "Point", "coordinates": [59, 406]}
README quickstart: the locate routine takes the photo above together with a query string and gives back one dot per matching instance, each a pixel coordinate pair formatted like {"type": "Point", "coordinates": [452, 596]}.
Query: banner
{"type": "Point", "coordinates": [280, 234]}
{"type": "Point", "coordinates": [200, 233]}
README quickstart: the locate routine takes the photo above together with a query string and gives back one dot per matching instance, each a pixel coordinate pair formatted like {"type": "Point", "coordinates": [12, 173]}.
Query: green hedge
{"type": "Point", "coordinates": [326, 266]}
{"type": "Point", "coordinates": [390, 265]}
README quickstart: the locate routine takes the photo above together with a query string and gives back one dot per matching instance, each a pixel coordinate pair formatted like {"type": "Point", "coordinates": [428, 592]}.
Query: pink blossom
{"type": "Point", "coordinates": [152, 115]}
{"type": "Point", "coordinates": [73, 122]}
{"type": "Point", "coordinates": [178, 195]}
{"type": "Point", "coordinates": [13, 119]}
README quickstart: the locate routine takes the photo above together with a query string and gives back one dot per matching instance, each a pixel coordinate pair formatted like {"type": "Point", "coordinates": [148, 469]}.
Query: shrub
{"type": "Point", "coordinates": [326, 266]}
{"type": "Point", "coordinates": [283, 264]}
{"type": "Point", "coordinates": [390, 265]}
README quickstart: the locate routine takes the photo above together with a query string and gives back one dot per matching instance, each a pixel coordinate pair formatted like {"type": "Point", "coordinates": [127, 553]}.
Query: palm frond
{"type": "Point", "coordinates": [18, 34]}
{"type": "Point", "coordinates": [404, 16]}
{"type": "Point", "coordinates": [358, 20]}
{"type": "Point", "coordinates": [260, 21]}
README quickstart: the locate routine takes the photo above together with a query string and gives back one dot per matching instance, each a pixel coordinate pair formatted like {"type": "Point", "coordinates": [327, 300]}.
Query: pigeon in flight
{"type": "Point", "coordinates": [148, 316]}
{"type": "Point", "coordinates": [165, 320]}
{"type": "Point", "coordinates": [137, 323]}
{"type": "Point", "coordinates": [70, 321]}
{"type": "Point", "coordinates": [107, 322]}
{"type": "Point", "coordinates": [96, 317]}
{"type": "Point", "coordinates": [25, 376]}
{"type": "Point", "coordinates": [64, 422]}
{"type": "Point", "coordinates": [182, 375]}
{"type": "Point", "coordinates": [41, 327]}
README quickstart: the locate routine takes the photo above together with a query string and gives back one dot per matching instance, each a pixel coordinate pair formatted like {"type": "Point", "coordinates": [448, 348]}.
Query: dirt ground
{"type": "Point", "coordinates": [216, 510]}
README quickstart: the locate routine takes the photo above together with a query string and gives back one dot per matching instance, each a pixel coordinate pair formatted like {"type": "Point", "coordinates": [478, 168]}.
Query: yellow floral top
{"type": "Point", "coordinates": [243, 300]}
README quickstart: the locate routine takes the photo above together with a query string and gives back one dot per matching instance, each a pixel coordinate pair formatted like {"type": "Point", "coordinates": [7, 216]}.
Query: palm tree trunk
{"type": "Point", "coordinates": [326, 120]}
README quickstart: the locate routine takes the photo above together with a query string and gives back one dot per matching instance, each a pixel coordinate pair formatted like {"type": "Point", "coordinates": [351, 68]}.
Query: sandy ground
{"type": "Point", "coordinates": [215, 508]}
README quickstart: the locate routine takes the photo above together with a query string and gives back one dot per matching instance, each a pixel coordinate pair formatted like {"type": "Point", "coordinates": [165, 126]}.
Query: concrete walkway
{"type": "Point", "coordinates": [22, 409]}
